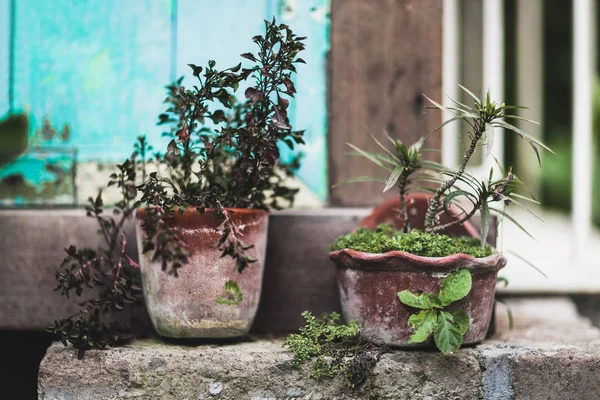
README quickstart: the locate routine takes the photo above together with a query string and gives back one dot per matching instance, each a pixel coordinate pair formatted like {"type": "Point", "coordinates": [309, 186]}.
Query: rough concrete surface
{"type": "Point", "coordinates": [552, 353]}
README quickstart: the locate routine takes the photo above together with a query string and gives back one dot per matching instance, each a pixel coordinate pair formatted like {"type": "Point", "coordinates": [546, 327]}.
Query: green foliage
{"type": "Point", "coordinates": [384, 238]}
{"type": "Point", "coordinates": [222, 154]}
{"type": "Point", "coordinates": [233, 294]}
{"type": "Point", "coordinates": [234, 161]}
{"type": "Point", "coordinates": [401, 164]}
{"type": "Point", "coordinates": [108, 268]}
{"type": "Point", "coordinates": [446, 333]}
{"type": "Point", "coordinates": [455, 286]}
{"type": "Point", "coordinates": [448, 327]}
{"type": "Point", "coordinates": [405, 166]}
{"type": "Point", "coordinates": [334, 348]}
{"type": "Point", "coordinates": [482, 118]}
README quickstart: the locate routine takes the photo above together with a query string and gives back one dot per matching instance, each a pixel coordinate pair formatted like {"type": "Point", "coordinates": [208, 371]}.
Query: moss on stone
{"type": "Point", "coordinates": [385, 238]}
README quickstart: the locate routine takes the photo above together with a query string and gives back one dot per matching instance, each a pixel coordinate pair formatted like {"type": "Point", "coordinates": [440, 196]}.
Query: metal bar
{"type": "Point", "coordinates": [451, 62]}
{"type": "Point", "coordinates": [530, 81]}
{"type": "Point", "coordinates": [583, 61]}
{"type": "Point", "coordinates": [493, 66]}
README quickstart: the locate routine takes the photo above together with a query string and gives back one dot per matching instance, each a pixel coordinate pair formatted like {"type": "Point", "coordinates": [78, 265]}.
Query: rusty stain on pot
{"type": "Point", "coordinates": [186, 307]}
{"type": "Point", "coordinates": [369, 283]}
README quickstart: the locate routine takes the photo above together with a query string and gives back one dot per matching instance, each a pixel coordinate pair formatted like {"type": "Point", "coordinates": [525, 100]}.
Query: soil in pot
{"type": "Point", "coordinates": [369, 282]}
{"type": "Point", "coordinates": [186, 306]}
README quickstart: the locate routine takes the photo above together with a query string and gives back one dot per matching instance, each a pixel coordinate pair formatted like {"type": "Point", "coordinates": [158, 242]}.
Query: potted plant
{"type": "Point", "coordinates": [416, 272]}
{"type": "Point", "coordinates": [201, 206]}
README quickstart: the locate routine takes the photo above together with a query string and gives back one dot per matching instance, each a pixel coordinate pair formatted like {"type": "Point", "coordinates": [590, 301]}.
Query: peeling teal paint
{"type": "Point", "coordinates": [4, 54]}
{"type": "Point", "coordinates": [100, 66]}
{"type": "Point", "coordinates": [311, 19]}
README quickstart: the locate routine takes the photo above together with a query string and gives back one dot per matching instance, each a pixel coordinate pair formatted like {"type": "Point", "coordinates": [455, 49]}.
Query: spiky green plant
{"type": "Point", "coordinates": [401, 164]}
{"type": "Point", "coordinates": [405, 166]}
{"type": "Point", "coordinates": [482, 118]}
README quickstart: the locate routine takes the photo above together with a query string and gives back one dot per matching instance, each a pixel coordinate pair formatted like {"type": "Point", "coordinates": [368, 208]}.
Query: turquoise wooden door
{"type": "Point", "coordinates": [91, 74]}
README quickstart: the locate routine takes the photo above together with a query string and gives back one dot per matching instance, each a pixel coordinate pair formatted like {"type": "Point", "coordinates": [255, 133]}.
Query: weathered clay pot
{"type": "Point", "coordinates": [185, 306]}
{"type": "Point", "coordinates": [369, 283]}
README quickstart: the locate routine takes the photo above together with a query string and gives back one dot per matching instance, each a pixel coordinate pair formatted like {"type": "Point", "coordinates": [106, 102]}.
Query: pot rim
{"type": "Point", "coordinates": [398, 260]}
{"type": "Point", "coordinates": [141, 211]}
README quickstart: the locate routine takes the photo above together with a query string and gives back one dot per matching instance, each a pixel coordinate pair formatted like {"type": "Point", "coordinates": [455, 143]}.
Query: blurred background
{"type": "Point", "coordinates": [89, 76]}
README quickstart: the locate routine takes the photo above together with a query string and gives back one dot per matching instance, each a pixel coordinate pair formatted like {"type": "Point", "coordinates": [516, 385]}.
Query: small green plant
{"type": "Point", "coordinates": [334, 348]}
{"type": "Point", "coordinates": [458, 195]}
{"type": "Point", "coordinates": [447, 326]}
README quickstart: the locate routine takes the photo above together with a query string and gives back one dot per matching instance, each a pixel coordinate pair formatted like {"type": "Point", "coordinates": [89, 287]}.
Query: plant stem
{"type": "Point", "coordinates": [468, 216]}
{"type": "Point", "coordinates": [402, 196]}
{"type": "Point", "coordinates": [434, 203]}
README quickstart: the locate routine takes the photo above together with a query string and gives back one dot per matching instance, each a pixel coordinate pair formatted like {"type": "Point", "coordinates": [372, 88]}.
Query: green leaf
{"type": "Point", "coordinates": [523, 206]}
{"type": "Point", "coordinates": [423, 324]}
{"type": "Point", "coordinates": [448, 199]}
{"type": "Point", "coordinates": [455, 286]}
{"type": "Point", "coordinates": [233, 294]}
{"type": "Point", "coordinates": [369, 156]}
{"type": "Point", "coordinates": [363, 178]}
{"type": "Point", "coordinates": [521, 118]}
{"type": "Point", "coordinates": [511, 219]}
{"type": "Point", "coordinates": [380, 156]}
{"type": "Point", "coordinates": [395, 175]}
{"type": "Point", "coordinates": [459, 104]}
{"type": "Point", "coordinates": [456, 112]}
{"type": "Point", "coordinates": [528, 263]}
{"type": "Point", "coordinates": [423, 301]}
{"type": "Point", "coordinates": [524, 198]}
{"type": "Point", "coordinates": [446, 335]}
{"type": "Point", "coordinates": [380, 144]}
{"type": "Point", "coordinates": [522, 133]}
{"type": "Point", "coordinates": [508, 313]}
{"type": "Point", "coordinates": [502, 280]}
{"type": "Point", "coordinates": [469, 93]}
{"type": "Point", "coordinates": [441, 126]}
{"type": "Point", "coordinates": [461, 320]}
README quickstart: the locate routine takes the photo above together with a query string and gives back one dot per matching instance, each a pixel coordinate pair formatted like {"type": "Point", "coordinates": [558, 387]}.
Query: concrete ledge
{"type": "Point", "coordinates": [552, 353]}
{"type": "Point", "coordinates": [298, 273]}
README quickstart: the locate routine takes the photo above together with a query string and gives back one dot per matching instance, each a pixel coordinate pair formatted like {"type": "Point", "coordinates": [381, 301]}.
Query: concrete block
{"type": "Point", "coordinates": [521, 364]}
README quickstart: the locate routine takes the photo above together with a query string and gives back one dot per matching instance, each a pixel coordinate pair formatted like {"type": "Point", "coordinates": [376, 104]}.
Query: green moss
{"type": "Point", "coordinates": [384, 238]}
{"type": "Point", "coordinates": [331, 348]}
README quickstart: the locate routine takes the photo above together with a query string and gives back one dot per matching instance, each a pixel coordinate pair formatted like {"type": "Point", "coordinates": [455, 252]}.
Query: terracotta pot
{"type": "Point", "coordinates": [369, 283]}
{"type": "Point", "coordinates": [185, 306]}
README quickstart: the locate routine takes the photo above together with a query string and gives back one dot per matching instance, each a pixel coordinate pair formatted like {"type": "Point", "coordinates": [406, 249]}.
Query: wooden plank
{"type": "Point", "coordinates": [5, 8]}
{"type": "Point", "coordinates": [384, 55]}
